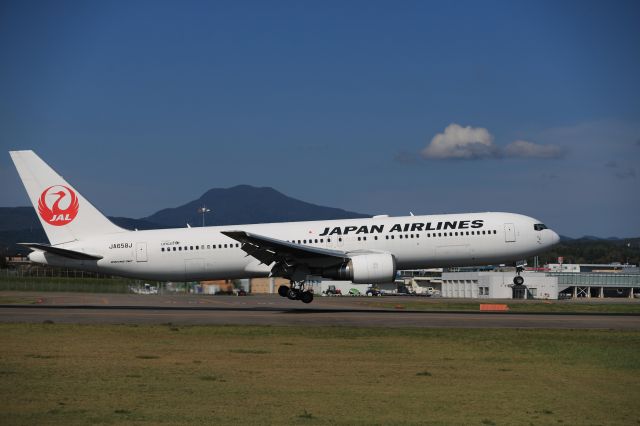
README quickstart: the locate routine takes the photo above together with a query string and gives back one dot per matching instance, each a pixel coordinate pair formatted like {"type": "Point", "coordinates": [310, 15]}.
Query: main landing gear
{"type": "Point", "coordinates": [296, 291]}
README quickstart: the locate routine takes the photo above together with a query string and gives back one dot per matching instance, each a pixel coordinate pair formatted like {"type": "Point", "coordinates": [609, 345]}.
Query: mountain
{"type": "Point", "coordinates": [132, 224]}
{"type": "Point", "coordinates": [246, 204]}
{"type": "Point", "coordinates": [14, 218]}
{"type": "Point", "coordinates": [238, 205]}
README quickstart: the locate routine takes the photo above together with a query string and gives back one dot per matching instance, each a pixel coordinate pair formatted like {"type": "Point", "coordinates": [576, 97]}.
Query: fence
{"type": "Point", "coordinates": [61, 280]}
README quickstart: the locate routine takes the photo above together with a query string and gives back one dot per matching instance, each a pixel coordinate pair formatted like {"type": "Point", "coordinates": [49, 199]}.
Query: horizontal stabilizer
{"type": "Point", "coordinates": [71, 254]}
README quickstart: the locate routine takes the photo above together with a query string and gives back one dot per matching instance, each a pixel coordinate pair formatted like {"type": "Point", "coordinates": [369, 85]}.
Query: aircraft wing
{"type": "Point", "coordinates": [71, 254]}
{"type": "Point", "coordinates": [268, 250]}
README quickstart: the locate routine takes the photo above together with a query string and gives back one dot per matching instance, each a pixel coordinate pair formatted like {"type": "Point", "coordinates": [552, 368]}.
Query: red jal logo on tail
{"type": "Point", "coordinates": [61, 210]}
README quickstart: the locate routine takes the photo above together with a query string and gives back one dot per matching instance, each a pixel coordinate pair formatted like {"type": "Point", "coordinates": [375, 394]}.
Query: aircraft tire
{"type": "Point", "coordinates": [306, 297]}
{"type": "Point", "coordinates": [283, 290]}
{"type": "Point", "coordinates": [518, 280]}
{"type": "Point", "coordinates": [293, 294]}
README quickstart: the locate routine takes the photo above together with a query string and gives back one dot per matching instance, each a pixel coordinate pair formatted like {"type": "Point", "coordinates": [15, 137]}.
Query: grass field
{"type": "Point", "coordinates": [620, 306]}
{"type": "Point", "coordinates": [75, 374]}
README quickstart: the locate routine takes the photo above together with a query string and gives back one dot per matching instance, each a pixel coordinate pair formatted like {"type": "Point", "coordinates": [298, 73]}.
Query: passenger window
{"type": "Point", "coordinates": [225, 246]}
{"type": "Point", "coordinates": [180, 248]}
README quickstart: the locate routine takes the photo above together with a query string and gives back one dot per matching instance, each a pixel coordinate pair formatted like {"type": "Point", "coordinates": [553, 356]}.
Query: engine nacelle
{"type": "Point", "coordinates": [365, 269]}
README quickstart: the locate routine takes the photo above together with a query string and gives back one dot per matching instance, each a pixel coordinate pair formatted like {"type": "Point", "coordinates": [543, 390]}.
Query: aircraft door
{"type": "Point", "coordinates": [141, 252]}
{"type": "Point", "coordinates": [509, 233]}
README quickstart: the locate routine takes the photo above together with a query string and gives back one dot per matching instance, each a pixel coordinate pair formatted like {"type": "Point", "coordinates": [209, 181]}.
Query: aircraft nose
{"type": "Point", "coordinates": [555, 238]}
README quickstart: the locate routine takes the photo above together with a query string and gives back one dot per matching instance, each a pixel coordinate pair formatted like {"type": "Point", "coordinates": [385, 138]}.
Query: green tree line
{"type": "Point", "coordinates": [594, 251]}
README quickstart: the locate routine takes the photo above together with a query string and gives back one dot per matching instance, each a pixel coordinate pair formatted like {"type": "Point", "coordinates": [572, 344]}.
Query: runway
{"type": "Point", "coordinates": [276, 311]}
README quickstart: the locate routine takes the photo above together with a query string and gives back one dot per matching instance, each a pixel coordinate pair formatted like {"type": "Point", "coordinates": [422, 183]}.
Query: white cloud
{"type": "Point", "coordinates": [457, 142]}
{"type": "Point", "coordinates": [524, 149]}
{"type": "Point", "coordinates": [461, 142]}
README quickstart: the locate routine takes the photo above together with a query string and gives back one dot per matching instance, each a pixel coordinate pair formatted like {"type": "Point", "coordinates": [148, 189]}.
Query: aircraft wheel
{"type": "Point", "coordinates": [518, 280]}
{"type": "Point", "coordinates": [283, 290]}
{"type": "Point", "coordinates": [306, 297]}
{"type": "Point", "coordinates": [293, 294]}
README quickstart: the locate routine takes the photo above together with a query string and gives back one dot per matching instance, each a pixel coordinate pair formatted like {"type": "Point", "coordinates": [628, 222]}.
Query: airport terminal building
{"type": "Point", "coordinates": [552, 282]}
{"type": "Point", "coordinates": [497, 285]}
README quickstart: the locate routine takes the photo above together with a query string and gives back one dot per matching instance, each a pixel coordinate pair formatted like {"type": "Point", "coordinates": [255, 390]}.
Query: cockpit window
{"type": "Point", "coordinates": [539, 226]}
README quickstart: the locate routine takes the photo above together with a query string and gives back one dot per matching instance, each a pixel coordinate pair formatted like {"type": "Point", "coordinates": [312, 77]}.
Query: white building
{"type": "Point", "coordinates": [497, 285]}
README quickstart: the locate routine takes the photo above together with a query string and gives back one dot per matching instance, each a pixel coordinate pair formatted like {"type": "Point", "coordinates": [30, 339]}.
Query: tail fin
{"type": "Point", "coordinates": [65, 214]}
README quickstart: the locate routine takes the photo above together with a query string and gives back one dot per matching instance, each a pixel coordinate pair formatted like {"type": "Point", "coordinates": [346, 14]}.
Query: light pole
{"type": "Point", "coordinates": [202, 210]}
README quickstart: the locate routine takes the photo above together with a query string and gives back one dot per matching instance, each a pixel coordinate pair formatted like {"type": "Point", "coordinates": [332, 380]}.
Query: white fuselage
{"type": "Point", "coordinates": [187, 254]}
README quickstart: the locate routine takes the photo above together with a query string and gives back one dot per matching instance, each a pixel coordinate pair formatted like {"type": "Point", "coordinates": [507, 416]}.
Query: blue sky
{"type": "Point", "coordinates": [375, 107]}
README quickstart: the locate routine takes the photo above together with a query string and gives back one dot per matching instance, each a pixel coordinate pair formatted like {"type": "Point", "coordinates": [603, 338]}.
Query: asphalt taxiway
{"type": "Point", "coordinates": [273, 310]}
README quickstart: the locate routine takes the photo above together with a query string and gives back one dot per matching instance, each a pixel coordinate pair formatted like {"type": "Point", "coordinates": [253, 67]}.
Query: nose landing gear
{"type": "Point", "coordinates": [518, 280]}
{"type": "Point", "coordinates": [518, 287]}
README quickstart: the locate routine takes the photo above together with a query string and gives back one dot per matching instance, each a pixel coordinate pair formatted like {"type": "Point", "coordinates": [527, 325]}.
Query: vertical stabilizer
{"type": "Point", "coordinates": [64, 213]}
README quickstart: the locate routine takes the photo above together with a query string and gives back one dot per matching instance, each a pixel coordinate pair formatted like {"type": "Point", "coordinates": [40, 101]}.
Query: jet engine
{"type": "Point", "coordinates": [365, 269]}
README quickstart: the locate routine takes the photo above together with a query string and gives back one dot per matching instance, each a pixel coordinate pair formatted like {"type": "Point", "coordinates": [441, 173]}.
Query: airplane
{"type": "Point", "coordinates": [366, 251]}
